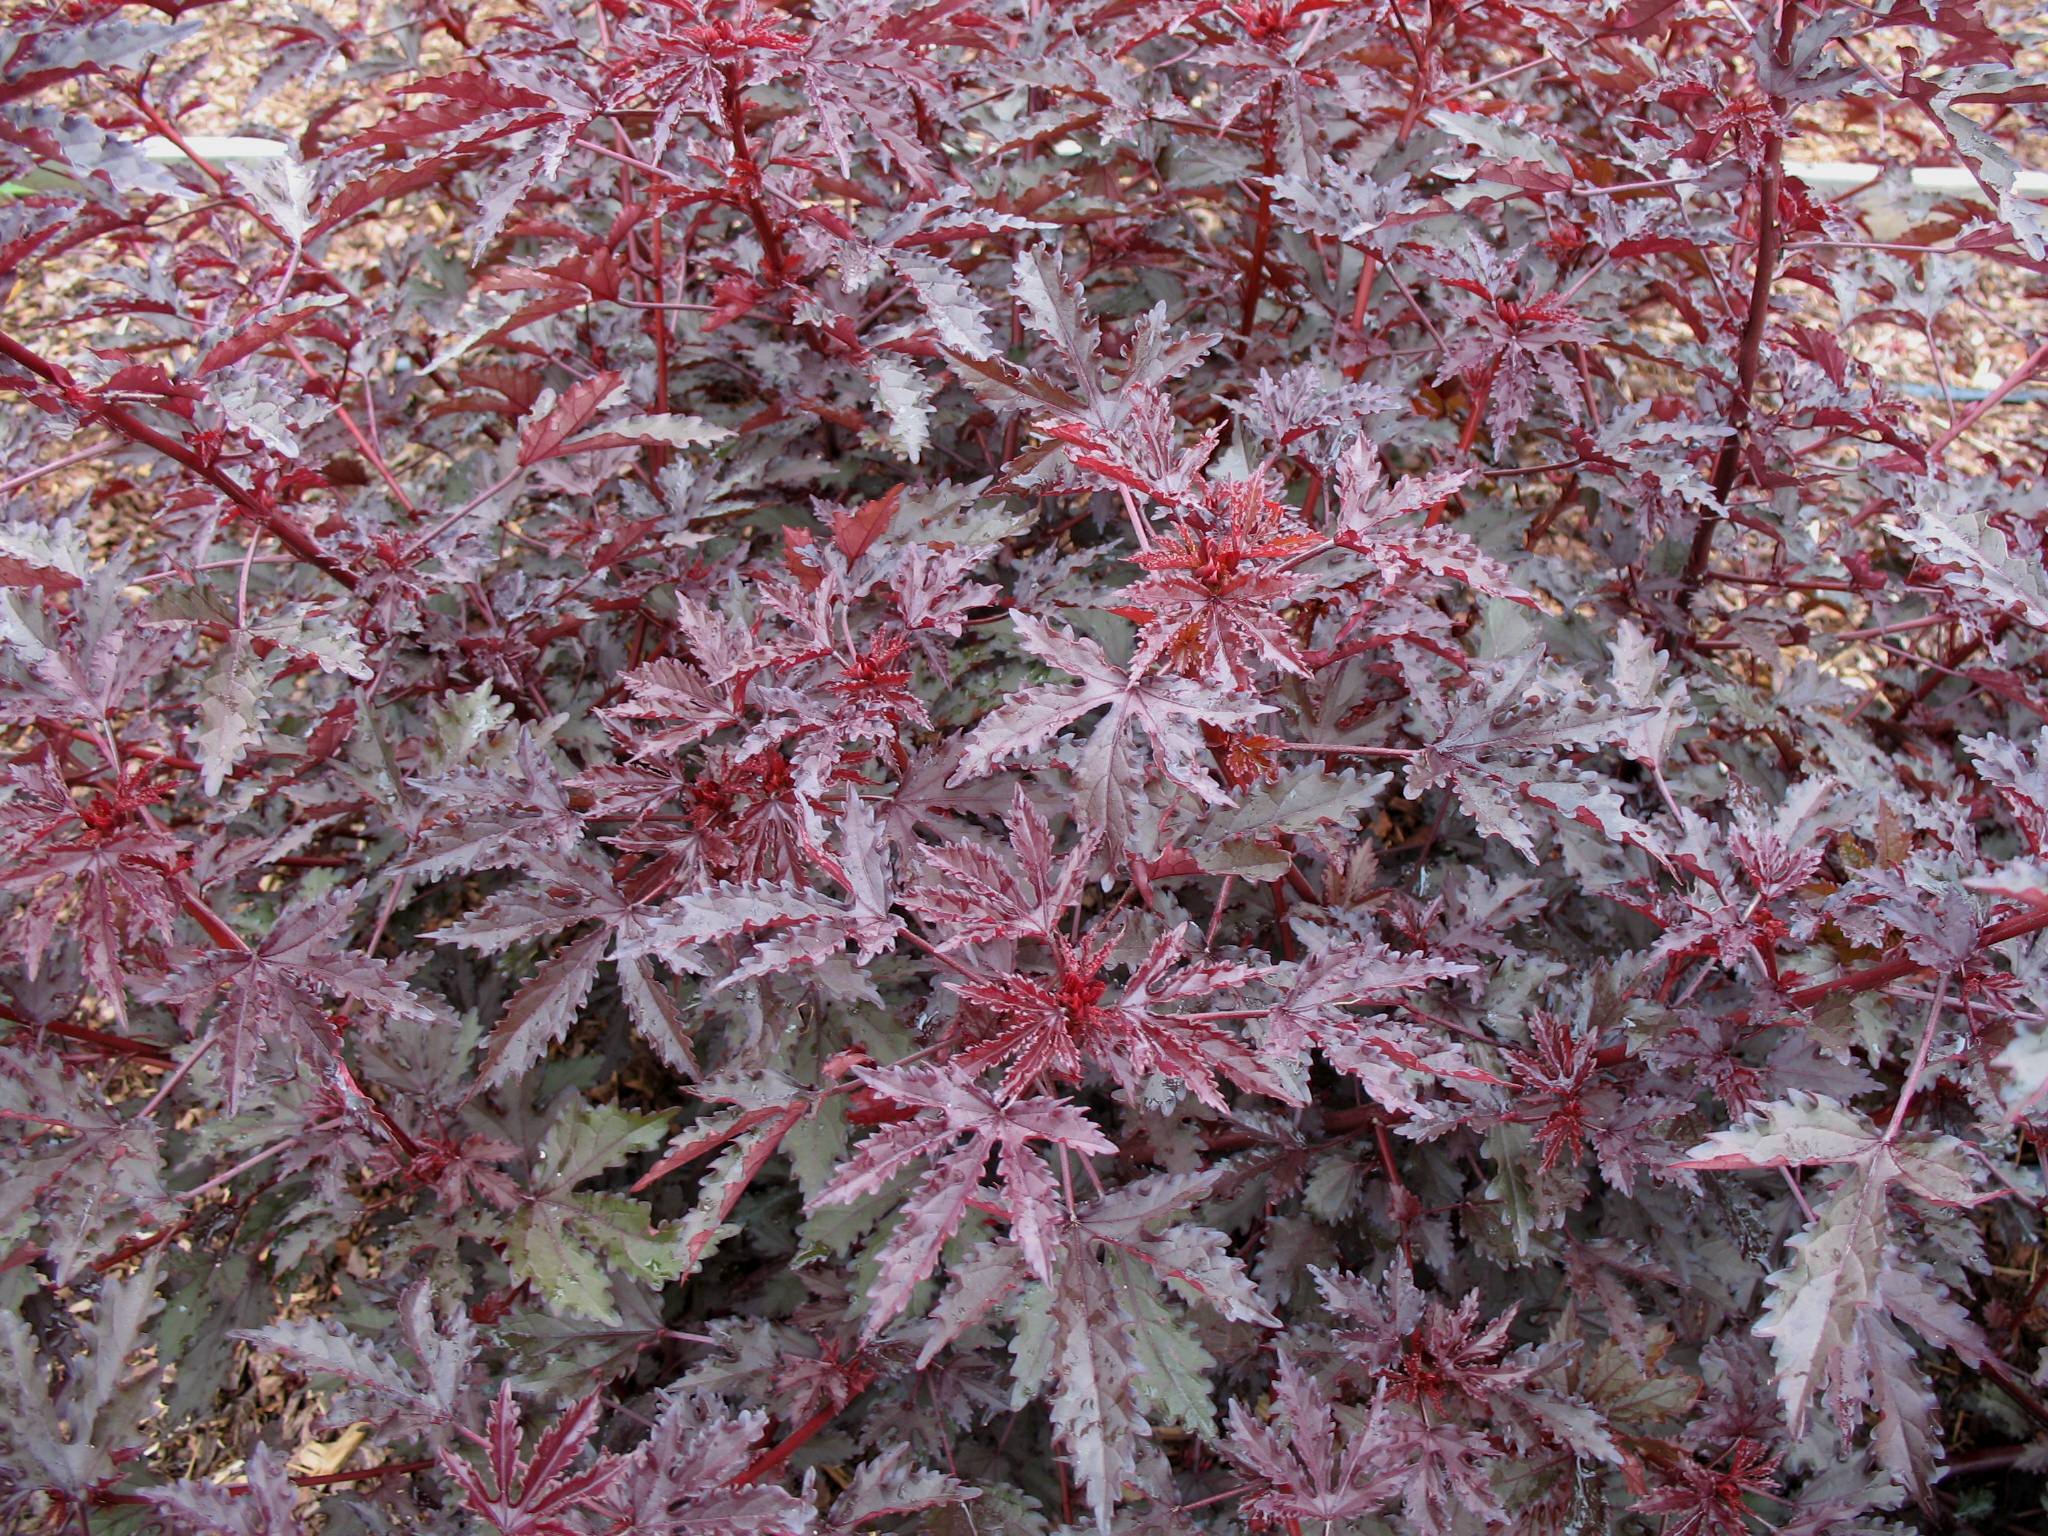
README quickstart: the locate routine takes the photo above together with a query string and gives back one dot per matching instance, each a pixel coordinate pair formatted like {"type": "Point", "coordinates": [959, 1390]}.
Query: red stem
{"type": "Point", "coordinates": [361, 1474]}
{"type": "Point", "coordinates": [1420, 52]}
{"type": "Point", "coordinates": [659, 328]}
{"type": "Point", "coordinates": [113, 1045]}
{"type": "Point", "coordinates": [135, 1248]}
{"type": "Point", "coordinates": [304, 262]}
{"type": "Point", "coordinates": [1970, 418]}
{"type": "Point", "coordinates": [1262, 232]}
{"type": "Point", "coordinates": [128, 749]}
{"type": "Point", "coordinates": [748, 174]}
{"type": "Point", "coordinates": [1901, 966]}
{"type": "Point", "coordinates": [1470, 434]}
{"type": "Point", "coordinates": [794, 1441]}
{"type": "Point", "coordinates": [1748, 363]}
{"type": "Point", "coordinates": [289, 533]}
{"type": "Point", "coordinates": [1769, 239]}
{"type": "Point", "coordinates": [216, 927]}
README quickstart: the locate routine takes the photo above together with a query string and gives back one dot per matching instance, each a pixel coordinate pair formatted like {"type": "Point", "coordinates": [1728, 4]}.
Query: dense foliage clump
{"type": "Point", "coordinates": [1147, 766]}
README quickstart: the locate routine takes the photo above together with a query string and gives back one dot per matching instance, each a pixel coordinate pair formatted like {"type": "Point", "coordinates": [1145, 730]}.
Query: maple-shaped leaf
{"type": "Point", "coordinates": [274, 993]}
{"type": "Point", "coordinates": [666, 430]}
{"type": "Point", "coordinates": [74, 1404]}
{"type": "Point", "coordinates": [1813, 1131]}
{"type": "Point", "coordinates": [462, 722]}
{"type": "Point", "coordinates": [2020, 775]}
{"type": "Point", "coordinates": [1836, 1305]}
{"type": "Point", "coordinates": [889, 1486]}
{"type": "Point", "coordinates": [981, 896]}
{"type": "Point", "coordinates": [297, 631]}
{"type": "Point", "coordinates": [1775, 850]}
{"type": "Point", "coordinates": [1061, 1025]}
{"type": "Point", "coordinates": [1105, 420]}
{"type": "Point", "coordinates": [83, 1175]}
{"type": "Point", "coordinates": [571, 890]}
{"type": "Point", "coordinates": [83, 662]}
{"type": "Point", "coordinates": [1445, 1476]}
{"type": "Point", "coordinates": [684, 1479]}
{"type": "Point", "coordinates": [231, 711]}
{"type": "Point", "coordinates": [1711, 1500]}
{"type": "Point", "coordinates": [705, 693]}
{"type": "Point", "coordinates": [1141, 1221]}
{"type": "Point", "coordinates": [1073, 1335]}
{"type": "Point", "coordinates": [1053, 306]}
{"type": "Point", "coordinates": [542, 1010]}
{"type": "Point", "coordinates": [670, 58]}
{"type": "Point", "coordinates": [933, 596]}
{"type": "Point", "coordinates": [535, 1495]}
{"type": "Point", "coordinates": [729, 911]}
{"type": "Point", "coordinates": [1833, 1325]}
{"type": "Point", "coordinates": [1450, 1363]}
{"type": "Point", "coordinates": [788, 926]}
{"type": "Point", "coordinates": [428, 1393]}
{"type": "Point", "coordinates": [1503, 346]}
{"type": "Point", "coordinates": [557, 427]}
{"type": "Point", "coordinates": [1341, 974]}
{"type": "Point", "coordinates": [1216, 588]}
{"type": "Point", "coordinates": [441, 1336]}
{"type": "Point", "coordinates": [553, 421]}
{"type": "Point", "coordinates": [1974, 559]}
{"type": "Point", "coordinates": [1249, 839]}
{"type": "Point", "coordinates": [740, 1140]}
{"type": "Point", "coordinates": [1383, 522]}
{"type": "Point", "coordinates": [1659, 701]}
{"type": "Point", "coordinates": [1307, 1469]}
{"type": "Point", "coordinates": [949, 302]}
{"type": "Point", "coordinates": [1101, 1334]}
{"type": "Point", "coordinates": [32, 555]}
{"type": "Point", "coordinates": [93, 869]}
{"type": "Point", "coordinates": [1496, 744]}
{"type": "Point", "coordinates": [1128, 442]}
{"type": "Point", "coordinates": [1174, 1366]}
{"type": "Point", "coordinates": [1426, 1347]}
{"type": "Point", "coordinates": [268, 1506]}
{"type": "Point", "coordinates": [1168, 711]}
{"type": "Point", "coordinates": [1918, 906]}
{"type": "Point", "coordinates": [470, 104]}
{"type": "Point", "coordinates": [956, 1127]}
{"type": "Point", "coordinates": [904, 395]}
{"type": "Point", "coordinates": [1347, 199]}
{"type": "Point", "coordinates": [260, 333]}
{"type": "Point", "coordinates": [1191, 1261]}
{"type": "Point", "coordinates": [564, 1240]}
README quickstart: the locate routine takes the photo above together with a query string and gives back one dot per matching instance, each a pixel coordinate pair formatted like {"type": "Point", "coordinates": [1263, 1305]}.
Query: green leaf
{"type": "Point", "coordinates": [905, 396]}
{"type": "Point", "coordinates": [230, 711]}
{"type": "Point", "coordinates": [563, 1242]}
{"type": "Point", "coordinates": [949, 302]}
{"type": "Point", "coordinates": [594, 1138]}
{"type": "Point", "coordinates": [1173, 1367]}
{"type": "Point", "coordinates": [564, 1245]}
{"type": "Point", "coordinates": [318, 638]}
{"type": "Point", "coordinates": [1516, 1202]}
{"type": "Point", "coordinates": [461, 723]}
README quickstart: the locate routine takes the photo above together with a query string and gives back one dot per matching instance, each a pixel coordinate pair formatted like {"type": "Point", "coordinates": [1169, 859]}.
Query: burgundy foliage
{"type": "Point", "coordinates": [981, 766]}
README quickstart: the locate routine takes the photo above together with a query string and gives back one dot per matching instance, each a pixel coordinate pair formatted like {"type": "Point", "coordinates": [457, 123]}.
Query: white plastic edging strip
{"type": "Point", "coordinates": [214, 148]}
{"type": "Point", "coordinates": [1838, 176]}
